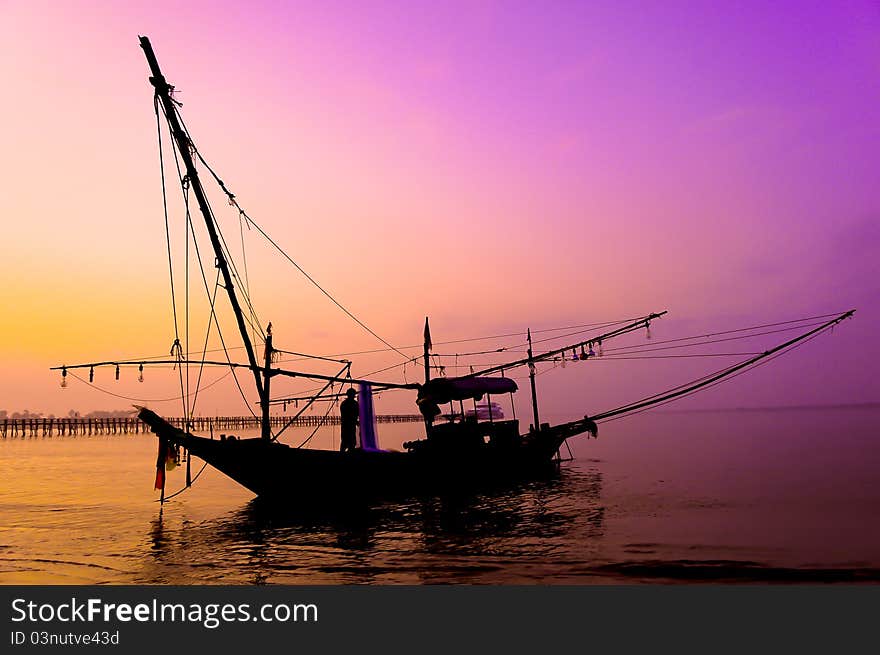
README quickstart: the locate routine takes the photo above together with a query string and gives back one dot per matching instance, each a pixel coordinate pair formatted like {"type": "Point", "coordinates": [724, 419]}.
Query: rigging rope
{"type": "Point", "coordinates": [185, 487]}
{"type": "Point", "coordinates": [621, 353]}
{"type": "Point", "coordinates": [571, 334]}
{"type": "Point", "coordinates": [700, 343]}
{"type": "Point", "coordinates": [184, 191]}
{"type": "Point", "coordinates": [321, 423]}
{"type": "Point", "coordinates": [187, 230]}
{"type": "Point", "coordinates": [176, 344]}
{"type": "Point", "coordinates": [691, 387]}
{"type": "Point", "coordinates": [307, 356]}
{"type": "Point", "coordinates": [250, 317]}
{"type": "Point", "coordinates": [242, 213]}
{"type": "Point", "coordinates": [205, 347]}
{"type": "Point", "coordinates": [220, 335]}
{"type": "Point", "coordinates": [142, 400]}
{"type": "Point", "coordinates": [247, 282]}
{"type": "Point", "coordinates": [332, 356]}
{"type": "Point", "coordinates": [713, 384]}
{"type": "Point", "coordinates": [329, 385]}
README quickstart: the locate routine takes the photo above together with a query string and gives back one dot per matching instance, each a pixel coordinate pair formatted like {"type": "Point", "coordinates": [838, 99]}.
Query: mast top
{"type": "Point", "coordinates": [186, 149]}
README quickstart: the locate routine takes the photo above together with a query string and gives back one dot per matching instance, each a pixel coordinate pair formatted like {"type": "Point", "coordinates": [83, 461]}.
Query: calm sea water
{"type": "Point", "coordinates": [779, 496]}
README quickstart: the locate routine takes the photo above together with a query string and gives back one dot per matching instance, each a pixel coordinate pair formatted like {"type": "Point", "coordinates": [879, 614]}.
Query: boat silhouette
{"type": "Point", "coordinates": [459, 449]}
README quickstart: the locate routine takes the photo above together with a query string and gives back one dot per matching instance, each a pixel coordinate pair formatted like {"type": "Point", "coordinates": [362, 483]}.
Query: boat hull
{"type": "Point", "coordinates": [277, 471]}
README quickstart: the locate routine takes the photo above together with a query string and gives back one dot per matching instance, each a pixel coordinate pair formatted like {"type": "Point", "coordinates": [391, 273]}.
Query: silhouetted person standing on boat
{"type": "Point", "coordinates": [349, 412]}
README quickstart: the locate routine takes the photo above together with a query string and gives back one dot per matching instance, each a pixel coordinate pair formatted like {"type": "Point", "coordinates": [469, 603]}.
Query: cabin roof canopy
{"type": "Point", "coordinates": [444, 390]}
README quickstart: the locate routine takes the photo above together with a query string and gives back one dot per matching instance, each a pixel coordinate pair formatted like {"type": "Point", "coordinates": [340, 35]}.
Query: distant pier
{"type": "Point", "coordinates": [23, 428]}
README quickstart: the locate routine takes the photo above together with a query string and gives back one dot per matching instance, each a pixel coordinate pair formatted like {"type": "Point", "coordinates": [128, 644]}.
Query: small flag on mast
{"type": "Point", "coordinates": [428, 344]}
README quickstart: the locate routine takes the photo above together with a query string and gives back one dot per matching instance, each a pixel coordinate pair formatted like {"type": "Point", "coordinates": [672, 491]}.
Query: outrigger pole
{"type": "Point", "coordinates": [183, 142]}
{"type": "Point", "coordinates": [682, 391]}
{"type": "Point", "coordinates": [550, 353]}
{"type": "Point", "coordinates": [258, 369]}
{"type": "Point", "coordinates": [531, 359]}
{"type": "Point", "coordinates": [275, 371]}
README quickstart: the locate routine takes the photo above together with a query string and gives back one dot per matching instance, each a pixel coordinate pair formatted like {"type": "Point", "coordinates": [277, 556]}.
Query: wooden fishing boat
{"type": "Point", "coordinates": [456, 451]}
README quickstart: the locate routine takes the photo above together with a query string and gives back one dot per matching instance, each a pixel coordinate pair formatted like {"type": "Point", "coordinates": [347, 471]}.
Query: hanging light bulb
{"type": "Point", "coordinates": [91, 373]}
{"type": "Point", "coordinates": [583, 354]}
{"type": "Point", "coordinates": [601, 352]}
{"type": "Point", "coordinates": [647, 329]}
{"type": "Point", "coordinates": [574, 355]}
{"type": "Point", "coordinates": [591, 353]}
{"type": "Point", "coordinates": [141, 373]}
{"type": "Point", "coordinates": [117, 371]}
{"type": "Point", "coordinates": [63, 377]}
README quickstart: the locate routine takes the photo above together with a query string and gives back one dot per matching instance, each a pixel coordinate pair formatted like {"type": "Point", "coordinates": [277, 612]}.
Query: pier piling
{"type": "Point", "coordinates": [31, 428]}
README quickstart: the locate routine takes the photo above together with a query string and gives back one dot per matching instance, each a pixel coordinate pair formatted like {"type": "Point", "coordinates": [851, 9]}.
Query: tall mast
{"type": "Point", "coordinates": [532, 382]}
{"type": "Point", "coordinates": [163, 92]}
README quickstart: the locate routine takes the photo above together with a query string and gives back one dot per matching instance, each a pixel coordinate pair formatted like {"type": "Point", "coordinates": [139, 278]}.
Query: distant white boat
{"type": "Point", "coordinates": [486, 411]}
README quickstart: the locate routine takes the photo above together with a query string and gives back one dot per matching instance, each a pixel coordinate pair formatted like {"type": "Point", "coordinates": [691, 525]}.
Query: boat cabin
{"type": "Point", "coordinates": [464, 430]}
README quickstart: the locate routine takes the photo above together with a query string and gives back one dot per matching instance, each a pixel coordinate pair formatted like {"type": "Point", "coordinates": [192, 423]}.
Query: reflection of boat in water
{"type": "Point", "coordinates": [523, 532]}
{"type": "Point", "coordinates": [460, 452]}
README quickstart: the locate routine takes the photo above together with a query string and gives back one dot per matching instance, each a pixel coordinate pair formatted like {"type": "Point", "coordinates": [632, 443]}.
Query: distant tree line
{"type": "Point", "coordinates": [119, 413]}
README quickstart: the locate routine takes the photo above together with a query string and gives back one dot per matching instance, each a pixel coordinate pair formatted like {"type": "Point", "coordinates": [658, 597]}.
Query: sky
{"type": "Point", "coordinates": [496, 166]}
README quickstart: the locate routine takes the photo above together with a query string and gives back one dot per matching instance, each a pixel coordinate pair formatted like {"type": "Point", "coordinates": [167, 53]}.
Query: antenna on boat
{"type": "Point", "coordinates": [532, 381]}
{"type": "Point", "coordinates": [184, 148]}
{"type": "Point", "coordinates": [428, 345]}
{"type": "Point", "coordinates": [266, 432]}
